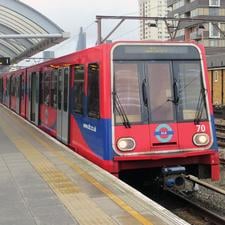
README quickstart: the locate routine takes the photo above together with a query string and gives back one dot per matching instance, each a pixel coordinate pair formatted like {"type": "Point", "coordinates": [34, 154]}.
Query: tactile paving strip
{"type": "Point", "coordinates": [76, 202]}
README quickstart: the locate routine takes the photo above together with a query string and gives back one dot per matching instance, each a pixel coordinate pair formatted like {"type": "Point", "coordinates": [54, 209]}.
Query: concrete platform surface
{"type": "Point", "coordinates": [42, 182]}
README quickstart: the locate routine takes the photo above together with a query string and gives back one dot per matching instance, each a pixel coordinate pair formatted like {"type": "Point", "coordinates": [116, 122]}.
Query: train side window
{"type": "Point", "coordinates": [93, 91]}
{"type": "Point", "coordinates": [78, 88]}
{"type": "Point", "coordinates": [7, 87]}
{"type": "Point", "coordinates": [22, 90]}
{"type": "Point", "coordinates": [66, 79]}
{"type": "Point", "coordinates": [14, 86]}
{"type": "Point", "coordinates": [17, 81]}
{"type": "Point", "coordinates": [12, 92]}
{"type": "Point", "coordinates": [41, 88]}
{"type": "Point", "coordinates": [53, 100]}
{"type": "Point", "coordinates": [22, 86]}
{"type": "Point", "coordinates": [10, 86]}
{"type": "Point", "coordinates": [46, 98]}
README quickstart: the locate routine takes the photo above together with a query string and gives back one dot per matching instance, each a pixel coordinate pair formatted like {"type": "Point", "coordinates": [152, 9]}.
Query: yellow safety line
{"type": "Point", "coordinates": [94, 182]}
{"type": "Point", "coordinates": [76, 202]}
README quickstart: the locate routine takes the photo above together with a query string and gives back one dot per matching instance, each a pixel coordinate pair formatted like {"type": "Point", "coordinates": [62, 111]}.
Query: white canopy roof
{"type": "Point", "coordinates": [25, 32]}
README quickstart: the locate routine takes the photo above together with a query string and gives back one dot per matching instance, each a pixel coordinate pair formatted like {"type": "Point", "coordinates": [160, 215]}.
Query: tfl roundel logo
{"type": "Point", "coordinates": [164, 133]}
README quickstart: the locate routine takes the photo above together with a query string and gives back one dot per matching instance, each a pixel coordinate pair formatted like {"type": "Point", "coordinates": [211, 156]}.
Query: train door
{"type": "Point", "coordinates": [175, 97]}
{"type": "Point", "coordinates": [29, 97]}
{"type": "Point", "coordinates": [161, 87]}
{"type": "Point", "coordinates": [63, 105]}
{"type": "Point", "coordinates": [23, 95]}
{"type": "Point", "coordinates": [34, 97]}
{"type": "Point", "coordinates": [8, 89]}
{"type": "Point", "coordinates": [18, 90]}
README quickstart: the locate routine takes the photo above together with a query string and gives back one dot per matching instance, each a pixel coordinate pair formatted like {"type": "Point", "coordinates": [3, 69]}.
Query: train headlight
{"type": "Point", "coordinates": [201, 139]}
{"type": "Point", "coordinates": [126, 144]}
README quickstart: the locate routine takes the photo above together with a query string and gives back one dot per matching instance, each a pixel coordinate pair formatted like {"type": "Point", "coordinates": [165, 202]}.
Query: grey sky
{"type": "Point", "coordinates": [70, 15]}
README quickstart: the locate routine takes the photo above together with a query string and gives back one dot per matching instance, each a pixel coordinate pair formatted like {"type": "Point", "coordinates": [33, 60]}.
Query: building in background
{"type": "Point", "coordinates": [81, 43]}
{"type": "Point", "coordinates": [211, 34]}
{"type": "Point", "coordinates": [153, 30]}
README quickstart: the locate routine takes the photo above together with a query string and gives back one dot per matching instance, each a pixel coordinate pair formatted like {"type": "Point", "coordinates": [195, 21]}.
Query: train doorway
{"type": "Point", "coordinates": [63, 105]}
{"type": "Point", "coordinates": [34, 97]}
{"type": "Point", "coordinates": [18, 90]}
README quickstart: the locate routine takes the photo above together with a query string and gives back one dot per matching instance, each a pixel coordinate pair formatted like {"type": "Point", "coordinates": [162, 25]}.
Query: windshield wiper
{"type": "Point", "coordinates": [176, 97]}
{"type": "Point", "coordinates": [200, 106]}
{"type": "Point", "coordinates": [177, 92]}
{"type": "Point", "coordinates": [119, 108]}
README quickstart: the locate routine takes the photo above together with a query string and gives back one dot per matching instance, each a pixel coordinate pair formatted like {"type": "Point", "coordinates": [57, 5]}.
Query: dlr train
{"type": "Point", "coordinates": [125, 106]}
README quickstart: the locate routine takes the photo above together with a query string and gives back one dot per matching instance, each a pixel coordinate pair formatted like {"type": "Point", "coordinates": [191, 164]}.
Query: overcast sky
{"type": "Point", "coordinates": [70, 15]}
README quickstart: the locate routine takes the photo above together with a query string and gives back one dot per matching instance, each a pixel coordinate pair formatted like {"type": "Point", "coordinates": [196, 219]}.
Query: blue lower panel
{"type": "Point", "coordinates": [97, 134]}
{"type": "Point", "coordinates": [215, 144]}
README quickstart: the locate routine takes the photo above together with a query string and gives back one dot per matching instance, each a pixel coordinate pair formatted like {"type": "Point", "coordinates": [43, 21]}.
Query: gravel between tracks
{"type": "Point", "coordinates": [211, 200]}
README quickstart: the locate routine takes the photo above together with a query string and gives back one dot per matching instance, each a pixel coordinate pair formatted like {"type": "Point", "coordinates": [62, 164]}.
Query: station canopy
{"type": "Point", "coordinates": [25, 32]}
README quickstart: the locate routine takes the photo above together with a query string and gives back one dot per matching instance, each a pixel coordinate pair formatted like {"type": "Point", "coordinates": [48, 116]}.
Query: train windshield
{"type": "Point", "coordinates": [157, 84]}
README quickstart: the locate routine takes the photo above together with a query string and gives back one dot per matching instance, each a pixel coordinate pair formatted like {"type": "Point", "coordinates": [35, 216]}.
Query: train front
{"type": "Point", "coordinates": [162, 114]}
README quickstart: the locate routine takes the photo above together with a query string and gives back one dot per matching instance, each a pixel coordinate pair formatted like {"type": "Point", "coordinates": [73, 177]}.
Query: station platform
{"type": "Point", "coordinates": [42, 182]}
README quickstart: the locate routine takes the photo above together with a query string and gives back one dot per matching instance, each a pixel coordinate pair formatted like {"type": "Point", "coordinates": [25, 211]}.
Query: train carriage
{"type": "Point", "coordinates": [22, 93]}
{"type": "Point", "coordinates": [6, 89]}
{"type": "Point", "coordinates": [173, 108]}
{"type": "Point", "coordinates": [17, 91]}
{"type": "Point", "coordinates": [128, 105]}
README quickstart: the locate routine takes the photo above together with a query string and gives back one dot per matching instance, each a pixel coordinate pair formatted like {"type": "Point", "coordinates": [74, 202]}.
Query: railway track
{"type": "Point", "coordinates": [203, 215]}
{"type": "Point", "coordinates": [209, 214]}
{"type": "Point", "coordinates": [194, 210]}
{"type": "Point", "coordinates": [200, 207]}
{"type": "Point", "coordinates": [220, 132]}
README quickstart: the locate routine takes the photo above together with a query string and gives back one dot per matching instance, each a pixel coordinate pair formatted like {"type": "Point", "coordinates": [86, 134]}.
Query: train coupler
{"type": "Point", "coordinates": [173, 177]}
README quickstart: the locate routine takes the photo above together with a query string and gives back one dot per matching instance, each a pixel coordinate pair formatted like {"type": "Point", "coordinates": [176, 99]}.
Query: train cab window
{"type": "Point", "coordinates": [93, 91]}
{"type": "Point", "coordinates": [127, 92]}
{"type": "Point", "coordinates": [160, 82]}
{"type": "Point", "coordinates": [78, 88]}
{"type": "Point", "coordinates": [191, 90]}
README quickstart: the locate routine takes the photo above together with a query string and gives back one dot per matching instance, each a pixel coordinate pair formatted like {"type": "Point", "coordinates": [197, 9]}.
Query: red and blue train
{"type": "Point", "coordinates": [124, 105]}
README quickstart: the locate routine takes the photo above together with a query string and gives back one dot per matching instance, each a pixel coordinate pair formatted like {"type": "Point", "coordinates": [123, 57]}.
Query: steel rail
{"type": "Point", "coordinates": [205, 184]}
{"type": "Point", "coordinates": [213, 217]}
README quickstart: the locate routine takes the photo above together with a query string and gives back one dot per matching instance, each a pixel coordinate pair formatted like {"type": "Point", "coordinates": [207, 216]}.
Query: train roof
{"type": "Point", "coordinates": [107, 45]}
